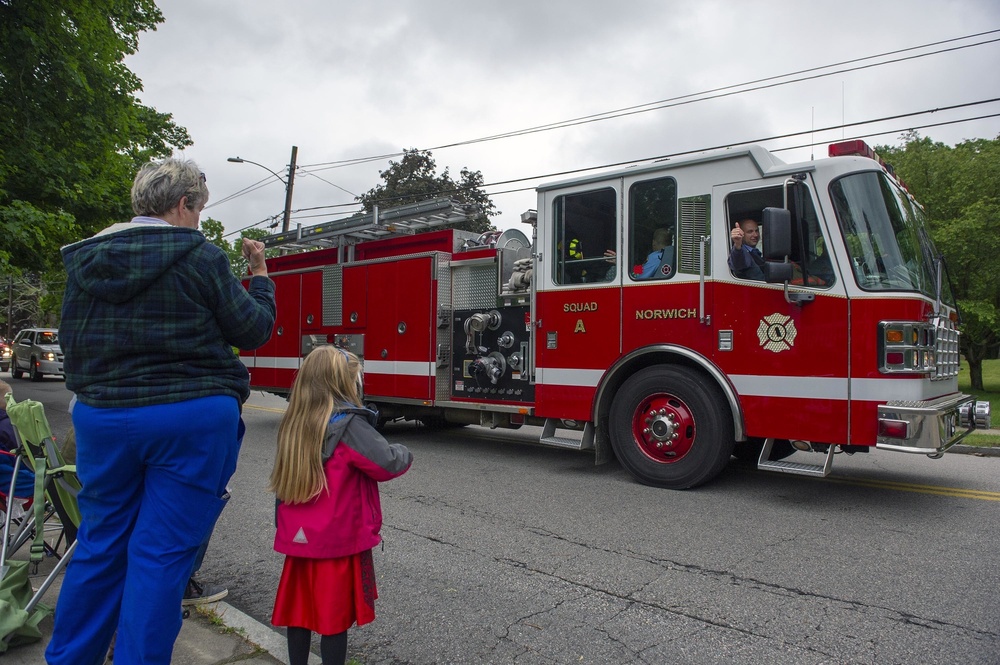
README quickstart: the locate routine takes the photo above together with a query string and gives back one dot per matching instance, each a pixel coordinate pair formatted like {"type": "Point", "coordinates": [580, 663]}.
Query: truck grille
{"type": "Point", "coordinates": [945, 348]}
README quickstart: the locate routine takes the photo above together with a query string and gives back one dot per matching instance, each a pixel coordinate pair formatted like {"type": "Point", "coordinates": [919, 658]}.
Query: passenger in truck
{"type": "Point", "coordinates": [659, 261]}
{"type": "Point", "coordinates": [572, 256]}
{"type": "Point", "coordinates": [745, 260]}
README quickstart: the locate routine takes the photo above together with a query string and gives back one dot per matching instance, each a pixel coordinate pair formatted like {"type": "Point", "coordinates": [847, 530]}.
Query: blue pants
{"type": "Point", "coordinates": [153, 478]}
{"type": "Point", "coordinates": [24, 488]}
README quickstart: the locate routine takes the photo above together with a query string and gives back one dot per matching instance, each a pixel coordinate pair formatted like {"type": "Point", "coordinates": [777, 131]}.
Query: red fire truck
{"type": "Point", "coordinates": [621, 327]}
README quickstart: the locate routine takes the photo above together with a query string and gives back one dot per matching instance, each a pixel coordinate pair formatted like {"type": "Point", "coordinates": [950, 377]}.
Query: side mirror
{"type": "Point", "coordinates": [776, 233]}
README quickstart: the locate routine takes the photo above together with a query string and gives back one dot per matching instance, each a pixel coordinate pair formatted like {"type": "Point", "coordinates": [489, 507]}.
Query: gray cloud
{"type": "Point", "coordinates": [344, 80]}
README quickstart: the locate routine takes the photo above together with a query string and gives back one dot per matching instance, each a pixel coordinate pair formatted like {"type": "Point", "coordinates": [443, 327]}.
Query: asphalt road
{"type": "Point", "coordinates": [501, 552]}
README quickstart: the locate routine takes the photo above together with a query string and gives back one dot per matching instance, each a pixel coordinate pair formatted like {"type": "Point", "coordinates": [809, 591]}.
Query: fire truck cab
{"type": "Point", "coordinates": [671, 314]}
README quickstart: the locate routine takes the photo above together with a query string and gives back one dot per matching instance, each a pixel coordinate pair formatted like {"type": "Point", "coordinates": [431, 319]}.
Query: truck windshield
{"type": "Point", "coordinates": [886, 236]}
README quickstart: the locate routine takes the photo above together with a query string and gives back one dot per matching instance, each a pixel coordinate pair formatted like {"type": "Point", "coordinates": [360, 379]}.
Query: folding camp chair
{"type": "Point", "coordinates": [56, 487]}
{"type": "Point", "coordinates": [17, 490]}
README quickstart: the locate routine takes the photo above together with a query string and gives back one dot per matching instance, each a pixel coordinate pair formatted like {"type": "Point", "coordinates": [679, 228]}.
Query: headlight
{"type": "Point", "coordinates": [48, 355]}
{"type": "Point", "coordinates": [906, 347]}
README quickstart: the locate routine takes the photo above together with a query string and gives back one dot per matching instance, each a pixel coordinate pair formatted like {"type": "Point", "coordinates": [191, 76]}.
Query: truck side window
{"type": "Point", "coordinates": [586, 245]}
{"type": "Point", "coordinates": [652, 229]}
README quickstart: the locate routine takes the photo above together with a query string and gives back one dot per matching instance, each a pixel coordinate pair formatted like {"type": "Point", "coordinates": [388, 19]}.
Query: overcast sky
{"type": "Point", "coordinates": [345, 80]}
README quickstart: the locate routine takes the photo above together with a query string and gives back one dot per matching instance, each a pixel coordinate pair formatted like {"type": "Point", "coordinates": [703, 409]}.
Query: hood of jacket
{"type": "Point", "coordinates": [339, 423]}
{"type": "Point", "coordinates": [124, 259]}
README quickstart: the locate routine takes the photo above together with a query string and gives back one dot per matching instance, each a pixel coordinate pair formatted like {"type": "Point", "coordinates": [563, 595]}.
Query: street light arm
{"type": "Point", "coordinates": [240, 160]}
{"type": "Point", "coordinates": [288, 183]}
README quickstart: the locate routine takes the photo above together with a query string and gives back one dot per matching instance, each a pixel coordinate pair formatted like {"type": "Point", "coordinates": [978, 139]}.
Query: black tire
{"type": "Point", "coordinates": [670, 427]}
{"type": "Point", "coordinates": [33, 372]}
{"type": "Point", "coordinates": [438, 422]}
{"type": "Point", "coordinates": [14, 371]}
{"type": "Point", "coordinates": [747, 453]}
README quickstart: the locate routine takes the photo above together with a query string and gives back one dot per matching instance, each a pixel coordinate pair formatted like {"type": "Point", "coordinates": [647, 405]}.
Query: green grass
{"type": "Point", "coordinates": [990, 393]}
{"type": "Point", "coordinates": [981, 441]}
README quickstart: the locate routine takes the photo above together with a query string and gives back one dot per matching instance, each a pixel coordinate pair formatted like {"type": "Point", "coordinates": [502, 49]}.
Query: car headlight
{"type": "Point", "coordinates": [48, 355]}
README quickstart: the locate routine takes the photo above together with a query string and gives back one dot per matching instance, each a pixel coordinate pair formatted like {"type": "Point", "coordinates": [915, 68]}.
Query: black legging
{"type": "Point", "coordinates": [332, 648]}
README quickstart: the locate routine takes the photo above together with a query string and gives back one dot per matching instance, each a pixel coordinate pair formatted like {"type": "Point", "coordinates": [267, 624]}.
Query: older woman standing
{"type": "Point", "coordinates": [150, 315]}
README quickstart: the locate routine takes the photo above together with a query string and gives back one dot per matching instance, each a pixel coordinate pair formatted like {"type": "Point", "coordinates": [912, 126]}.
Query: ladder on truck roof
{"type": "Point", "coordinates": [402, 220]}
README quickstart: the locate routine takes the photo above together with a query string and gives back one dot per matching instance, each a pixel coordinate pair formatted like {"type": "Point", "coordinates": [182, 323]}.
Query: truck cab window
{"type": "Point", "coordinates": [810, 257]}
{"type": "Point", "coordinates": [586, 245]}
{"type": "Point", "coordinates": [652, 229]}
{"type": "Point", "coordinates": [883, 233]}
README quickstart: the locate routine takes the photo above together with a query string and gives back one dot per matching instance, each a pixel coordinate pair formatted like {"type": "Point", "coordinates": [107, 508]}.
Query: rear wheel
{"type": "Point", "coordinates": [669, 428]}
{"type": "Point", "coordinates": [33, 373]}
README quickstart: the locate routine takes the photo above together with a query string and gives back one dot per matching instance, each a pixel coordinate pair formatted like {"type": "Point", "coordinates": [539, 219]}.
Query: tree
{"type": "Point", "coordinates": [23, 304]}
{"type": "Point", "coordinates": [213, 231]}
{"type": "Point", "coordinates": [413, 178]}
{"type": "Point", "coordinates": [960, 190]}
{"type": "Point", "coordinates": [72, 132]}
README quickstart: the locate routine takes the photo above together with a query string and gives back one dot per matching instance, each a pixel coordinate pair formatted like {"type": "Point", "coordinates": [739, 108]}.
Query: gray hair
{"type": "Point", "coordinates": [159, 186]}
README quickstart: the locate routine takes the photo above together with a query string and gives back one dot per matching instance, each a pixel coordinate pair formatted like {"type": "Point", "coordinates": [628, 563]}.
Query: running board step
{"type": "Point", "coordinates": [549, 438]}
{"type": "Point", "coordinates": [781, 466]}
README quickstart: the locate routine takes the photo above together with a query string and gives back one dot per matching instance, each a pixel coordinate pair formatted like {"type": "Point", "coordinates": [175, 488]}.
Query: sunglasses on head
{"type": "Point", "coordinates": [202, 177]}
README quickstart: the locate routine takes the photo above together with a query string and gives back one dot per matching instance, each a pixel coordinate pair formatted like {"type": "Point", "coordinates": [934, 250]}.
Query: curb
{"type": "Point", "coordinates": [268, 639]}
{"type": "Point", "coordinates": [978, 451]}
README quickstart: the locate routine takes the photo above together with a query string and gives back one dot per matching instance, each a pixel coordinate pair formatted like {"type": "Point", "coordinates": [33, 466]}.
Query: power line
{"type": "Point", "coordinates": [691, 97]}
{"type": "Point", "coordinates": [769, 138]}
{"type": "Point", "coordinates": [745, 142]}
{"type": "Point", "coordinates": [687, 152]}
{"type": "Point", "coordinates": [681, 100]}
{"type": "Point", "coordinates": [246, 190]}
{"type": "Point", "coordinates": [684, 100]}
{"type": "Point", "coordinates": [329, 183]}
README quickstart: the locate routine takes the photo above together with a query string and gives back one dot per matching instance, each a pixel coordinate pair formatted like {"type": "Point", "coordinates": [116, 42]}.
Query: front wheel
{"type": "Point", "coordinates": [14, 371]}
{"type": "Point", "coordinates": [33, 372]}
{"type": "Point", "coordinates": [670, 428]}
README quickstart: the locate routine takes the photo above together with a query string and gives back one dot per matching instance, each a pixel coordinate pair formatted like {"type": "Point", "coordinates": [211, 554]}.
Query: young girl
{"type": "Point", "coordinates": [328, 463]}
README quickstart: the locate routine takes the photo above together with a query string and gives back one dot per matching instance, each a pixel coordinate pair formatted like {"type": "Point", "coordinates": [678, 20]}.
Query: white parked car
{"type": "Point", "coordinates": [37, 352]}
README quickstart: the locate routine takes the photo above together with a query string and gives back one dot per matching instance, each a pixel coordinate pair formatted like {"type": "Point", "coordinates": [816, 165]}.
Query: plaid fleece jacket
{"type": "Point", "coordinates": [151, 313]}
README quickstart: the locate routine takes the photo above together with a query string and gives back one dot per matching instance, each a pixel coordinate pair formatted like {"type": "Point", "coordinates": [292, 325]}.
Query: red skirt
{"type": "Point", "coordinates": [327, 596]}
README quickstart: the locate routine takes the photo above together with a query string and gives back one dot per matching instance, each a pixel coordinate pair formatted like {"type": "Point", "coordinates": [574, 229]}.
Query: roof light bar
{"type": "Point", "coordinates": [859, 148]}
{"type": "Point", "coordinates": [847, 148]}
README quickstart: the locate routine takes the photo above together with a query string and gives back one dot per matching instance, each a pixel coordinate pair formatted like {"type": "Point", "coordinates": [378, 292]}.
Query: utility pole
{"type": "Point", "coordinates": [10, 307]}
{"type": "Point", "coordinates": [288, 190]}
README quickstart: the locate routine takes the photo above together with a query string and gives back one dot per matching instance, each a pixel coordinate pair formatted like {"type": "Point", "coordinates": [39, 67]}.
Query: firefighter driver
{"type": "Point", "coordinates": [745, 259]}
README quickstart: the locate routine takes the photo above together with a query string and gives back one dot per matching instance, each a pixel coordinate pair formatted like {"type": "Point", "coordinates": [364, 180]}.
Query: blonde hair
{"type": "Point", "coordinates": [328, 378]}
{"type": "Point", "coordinates": [4, 390]}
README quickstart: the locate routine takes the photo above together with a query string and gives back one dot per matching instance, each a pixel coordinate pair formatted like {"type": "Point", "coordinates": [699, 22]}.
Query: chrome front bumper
{"type": "Point", "coordinates": [931, 427]}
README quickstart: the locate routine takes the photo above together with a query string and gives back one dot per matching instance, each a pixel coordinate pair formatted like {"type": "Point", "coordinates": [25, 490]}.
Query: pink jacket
{"type": "Point", "coordinates": [346, 519]}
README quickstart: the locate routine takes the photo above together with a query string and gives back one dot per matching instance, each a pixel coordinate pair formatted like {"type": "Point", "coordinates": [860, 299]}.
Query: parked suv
{"type": "Point", "coordinates": [4, 355]}
{"type": "Point", "coordinates": [36, 351]}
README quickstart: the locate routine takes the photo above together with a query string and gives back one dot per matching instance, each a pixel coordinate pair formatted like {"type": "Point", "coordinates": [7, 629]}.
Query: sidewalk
{"type": "Point", "coordinates": [218, 634]}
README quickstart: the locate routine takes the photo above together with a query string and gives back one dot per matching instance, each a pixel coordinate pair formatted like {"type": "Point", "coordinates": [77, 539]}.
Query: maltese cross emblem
{"type": "Point", "coordinates": [776, 332]}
